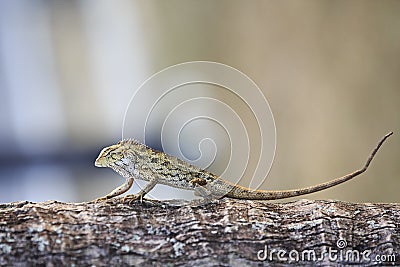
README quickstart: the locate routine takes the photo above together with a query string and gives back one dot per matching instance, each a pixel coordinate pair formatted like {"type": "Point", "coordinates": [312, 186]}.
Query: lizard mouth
{"type": "Point", "coordinates": [99, 162]}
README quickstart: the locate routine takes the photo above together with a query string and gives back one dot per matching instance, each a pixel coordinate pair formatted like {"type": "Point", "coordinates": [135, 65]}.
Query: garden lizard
{"type": "Point", "coordinates": [134, 160]}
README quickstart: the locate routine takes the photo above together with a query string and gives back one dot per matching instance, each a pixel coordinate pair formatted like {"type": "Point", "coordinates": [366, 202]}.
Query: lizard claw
{"type": "Point", "coordinates": [129, 199]}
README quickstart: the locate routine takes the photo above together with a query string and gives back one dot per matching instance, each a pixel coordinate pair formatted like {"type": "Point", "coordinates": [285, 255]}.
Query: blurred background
{"type": "Point", "coordinates": [329, 69]}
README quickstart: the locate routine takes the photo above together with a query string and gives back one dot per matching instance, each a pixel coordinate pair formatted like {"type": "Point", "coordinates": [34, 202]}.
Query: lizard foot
{"type": "Point", "coordinates": [202, 201]}
{"type": "Point", "coordinates": [100, 199]}
{"type": "Point", "coordinates": [129, 199]}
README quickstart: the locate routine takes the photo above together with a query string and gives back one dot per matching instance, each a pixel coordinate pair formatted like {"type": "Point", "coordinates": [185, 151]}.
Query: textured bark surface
{"type": "Point", "coordinates": [226, 233]}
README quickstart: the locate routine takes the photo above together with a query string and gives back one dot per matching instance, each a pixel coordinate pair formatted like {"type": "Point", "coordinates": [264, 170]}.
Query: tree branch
{"type": "Point", "coordinates": [226, 233]}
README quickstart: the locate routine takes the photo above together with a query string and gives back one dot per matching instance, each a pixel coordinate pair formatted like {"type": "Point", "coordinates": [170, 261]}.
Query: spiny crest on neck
{"type": "Point", "coordinates": [131, 142]}
{"type": "Point", "coordinates": [128, 141]}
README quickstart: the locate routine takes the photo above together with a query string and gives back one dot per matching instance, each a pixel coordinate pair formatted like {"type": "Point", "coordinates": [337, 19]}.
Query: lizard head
{"type": "Point", "coordinates": [122, 153]}
{"type": "Point", "coordinates": [110, 155]}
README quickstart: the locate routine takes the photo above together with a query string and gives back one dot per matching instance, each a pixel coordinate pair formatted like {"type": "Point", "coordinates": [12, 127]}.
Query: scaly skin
{"type": "Point", "coordinates": [134, 160]}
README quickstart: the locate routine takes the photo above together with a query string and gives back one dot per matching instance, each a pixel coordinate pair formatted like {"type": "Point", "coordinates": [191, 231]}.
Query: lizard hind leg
{"type": "Point", "coordinates": [203, 192]}
{"type": "Point", "coordinates": [206, 196]}
{"type": "Point", "coordinates": [204, 189]}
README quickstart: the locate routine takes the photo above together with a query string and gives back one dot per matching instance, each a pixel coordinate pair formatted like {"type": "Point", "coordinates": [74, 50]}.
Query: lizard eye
{"type": "Point", "coordinates": [116, 156]}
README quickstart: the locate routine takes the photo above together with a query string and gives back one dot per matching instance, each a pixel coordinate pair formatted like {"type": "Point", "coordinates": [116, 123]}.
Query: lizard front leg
{"type": "Point", "coordinates": [150, 185]}
{"type": "Point", "coordinates": [117, 191]}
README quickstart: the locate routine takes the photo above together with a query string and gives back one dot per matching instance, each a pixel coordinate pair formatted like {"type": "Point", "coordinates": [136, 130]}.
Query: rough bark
{"type": "Point", "coordinates": [225, 233]}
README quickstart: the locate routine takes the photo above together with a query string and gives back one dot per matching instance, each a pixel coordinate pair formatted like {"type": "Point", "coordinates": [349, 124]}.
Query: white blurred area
{"type": "Point", "coordinates": [330, 71]}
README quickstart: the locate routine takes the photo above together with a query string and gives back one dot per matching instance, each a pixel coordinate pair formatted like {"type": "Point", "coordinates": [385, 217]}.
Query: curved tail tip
{"type": "Point", "coordinates": [386, 136]}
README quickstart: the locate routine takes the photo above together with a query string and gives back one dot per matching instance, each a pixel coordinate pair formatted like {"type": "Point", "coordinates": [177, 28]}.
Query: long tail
{"type": "Point", "coordinates": [245, 193]}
